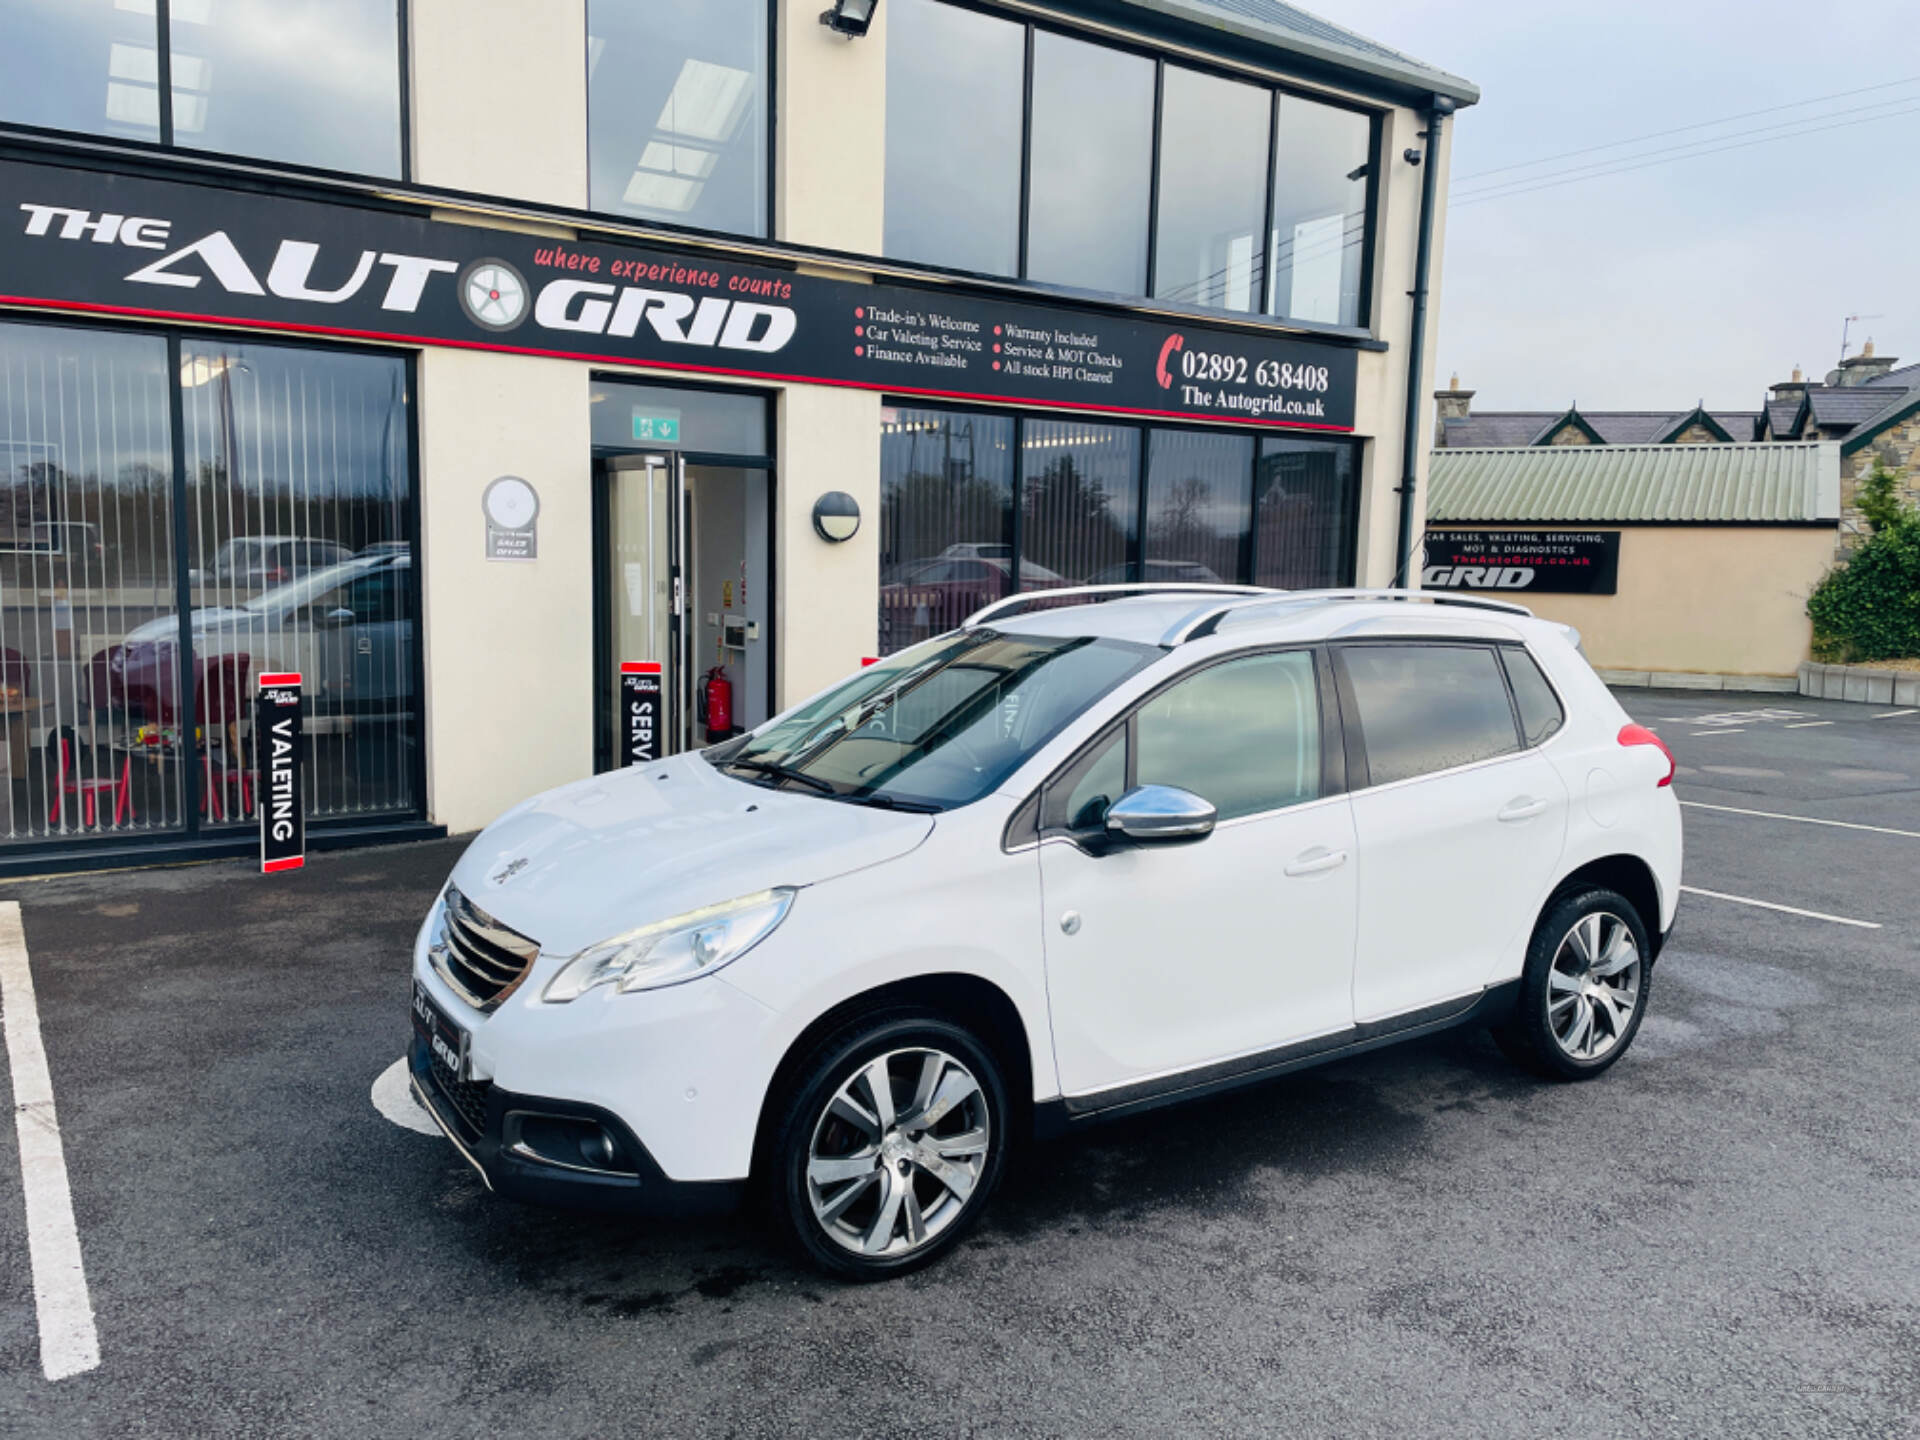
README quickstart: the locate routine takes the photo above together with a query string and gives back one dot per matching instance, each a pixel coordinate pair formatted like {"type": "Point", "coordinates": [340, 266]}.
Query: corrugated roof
{"type": "Point", "coordinates": [1579, 484]}
{"type": "Point", "coordinates": [1274, 25]}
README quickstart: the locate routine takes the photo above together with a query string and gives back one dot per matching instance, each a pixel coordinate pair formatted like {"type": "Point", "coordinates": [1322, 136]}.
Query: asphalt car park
{"type": "Point", "coordinates": [1716, 1237]}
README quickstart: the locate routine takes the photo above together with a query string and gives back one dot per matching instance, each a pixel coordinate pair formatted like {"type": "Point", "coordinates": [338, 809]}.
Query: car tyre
{"type": "Point", "coordinates": [1584, 989]}
{"type": "Point", "coordinates": [869, 1185]}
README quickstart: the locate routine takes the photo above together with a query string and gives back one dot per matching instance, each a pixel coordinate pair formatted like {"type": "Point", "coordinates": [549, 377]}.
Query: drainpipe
{"type": "Point", "coordinates": [1417, 341]}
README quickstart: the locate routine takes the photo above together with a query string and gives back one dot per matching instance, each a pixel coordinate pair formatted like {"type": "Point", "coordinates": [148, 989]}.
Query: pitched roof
{"type": "Point", "coordinates": [1591, 484]}
{"type": "Point", "coordinates": [1780, 416]}
{"type": "Point", "coordinates": [1740, 425]}
{"type": "Point", "coordinates": [1273, 25]}
{"type": "Point", "coordinates": [1496, 427]}
{"type": "Point", "coordinates": [1847, 405]}
{"type": "Point", "coordinates": [1907, 377]}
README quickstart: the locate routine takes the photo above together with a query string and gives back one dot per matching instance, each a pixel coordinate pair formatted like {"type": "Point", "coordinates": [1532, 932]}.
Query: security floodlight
{"type": "Point", "coordinates": [850, 17]}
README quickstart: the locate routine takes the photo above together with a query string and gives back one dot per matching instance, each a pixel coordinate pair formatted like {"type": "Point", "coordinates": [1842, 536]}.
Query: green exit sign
{"type": "Point", "coordinates": [662, 428]}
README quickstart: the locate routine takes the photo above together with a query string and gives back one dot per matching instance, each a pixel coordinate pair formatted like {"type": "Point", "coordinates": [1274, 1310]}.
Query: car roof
{"type": "Point", "coordinates": [1250, 619]}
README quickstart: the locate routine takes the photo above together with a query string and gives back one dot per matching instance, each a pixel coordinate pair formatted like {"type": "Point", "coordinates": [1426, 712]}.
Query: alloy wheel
{"type": "Point", "coordinates": [1593, 987]}
{"type": "Point", "coordinates": [898, 1151]}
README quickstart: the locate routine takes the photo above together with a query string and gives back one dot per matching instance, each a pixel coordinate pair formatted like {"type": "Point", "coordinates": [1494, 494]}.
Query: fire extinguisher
{"type": "Point", "coordinates": [718, 692]}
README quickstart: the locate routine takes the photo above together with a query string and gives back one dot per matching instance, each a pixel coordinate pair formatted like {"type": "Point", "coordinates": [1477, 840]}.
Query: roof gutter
{"type": "Point", "coordinates": [1441, 107]}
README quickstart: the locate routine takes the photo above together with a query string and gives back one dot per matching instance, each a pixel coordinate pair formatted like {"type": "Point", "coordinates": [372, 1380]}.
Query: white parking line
{"type": "Point", "coordinates": [1802, 819]}
{"type": "Point", "coordinates": [1806, 724]}
{"type": "Point", "coordinates": [1702, 734]}
{"type": "Point", "coordinates": [393, 1098]}
{"type": "Point", "coordinates": [1895, 714]}
{"type": "Point", "coordinates": [68, 1342]}
{"type": "Point", "coordinates": [1783, 909]}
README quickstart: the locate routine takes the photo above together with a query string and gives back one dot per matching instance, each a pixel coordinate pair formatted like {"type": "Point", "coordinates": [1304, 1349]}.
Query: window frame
{"type": "Point", "coordinates": [1358, 765]}
{"type": "Point", "coordinates": [1143, 465]}
{"type": "Point", "coordinates": [772, 191]}
{"type": "Point", "coordinates": [168, 145]}
{"type": "Point", "coordinates": [1275, 85]}
{"type": "Point", "coordinates": [195, 836]}
{"type": "Point", "coordinates": [1037, 810]}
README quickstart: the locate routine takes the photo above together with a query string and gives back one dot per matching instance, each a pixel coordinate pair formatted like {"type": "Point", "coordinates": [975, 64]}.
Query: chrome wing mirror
{"type": "Point", "coordinates": [1155, 814]}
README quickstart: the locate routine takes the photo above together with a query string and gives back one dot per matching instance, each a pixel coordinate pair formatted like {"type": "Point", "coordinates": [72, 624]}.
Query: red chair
{"type": "Point", "coordinates": [85, 789]}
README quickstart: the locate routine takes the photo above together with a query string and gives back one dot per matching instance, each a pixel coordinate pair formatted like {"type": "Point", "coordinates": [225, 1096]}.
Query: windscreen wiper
{"type": "Point", "coordinates": [782, 772]}
{"type": "Point", "coordinates": [880, 800]}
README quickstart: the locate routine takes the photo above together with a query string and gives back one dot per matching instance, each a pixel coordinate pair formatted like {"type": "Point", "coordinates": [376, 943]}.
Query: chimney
{"type": "Point", "coordinates": [1865, 367]}
{"type": "Point", "coordinates": [1451, 404]}
{"type": "Point", "coordinates": [1789, 389]}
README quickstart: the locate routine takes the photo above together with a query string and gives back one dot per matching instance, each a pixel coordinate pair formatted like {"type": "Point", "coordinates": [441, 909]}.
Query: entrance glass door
{"type": "Point", "coordinates": [644, 499]}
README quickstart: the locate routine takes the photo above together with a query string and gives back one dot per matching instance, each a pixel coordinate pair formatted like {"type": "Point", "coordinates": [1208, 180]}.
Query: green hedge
{"type": "Point", "coordinates": [1869, 607]}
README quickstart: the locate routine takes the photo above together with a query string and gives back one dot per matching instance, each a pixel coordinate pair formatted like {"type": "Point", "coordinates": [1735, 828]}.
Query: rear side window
{"type": "Point", "coordinates": [1425, 708]}
{"type": "Point", "coordinates": [1540, 714]}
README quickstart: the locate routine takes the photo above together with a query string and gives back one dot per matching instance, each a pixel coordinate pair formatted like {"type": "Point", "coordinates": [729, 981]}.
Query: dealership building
{"type": "Point", "coordinates": [488, 364]}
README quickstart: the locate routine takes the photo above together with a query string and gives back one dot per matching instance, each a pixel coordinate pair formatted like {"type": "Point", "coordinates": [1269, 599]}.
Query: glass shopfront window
{"type": "Point", "coordinates": [1199, 498]}
{"type": "Point", "coordinates": [1092, 165]}
{"type": "Point", "coordinates": [955, 97]}
{"type": "Point", "coordinates": [310, 82]}
{"type": "Point", "coordinates": [978, 504]}
{"type": "Point", "coordinates": [959, 85]}
{"type": "Point", "coordinates": [1319, 240]}
{"type": "Point", "coordinates": [1213, 185]}
{"type": "Point", "coordinates": [1306, 513]}
{"type": "Point", "coordinates": [1079, 502]}
{"type": "Point", "coordinates": [296, 499]}
{"type": "Point", "coordinates": [946, 520]}
{"type": "Point", "coordinates": [677, 111]}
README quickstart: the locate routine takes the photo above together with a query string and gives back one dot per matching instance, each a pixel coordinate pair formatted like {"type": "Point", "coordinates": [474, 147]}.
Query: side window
{"type": "Point", "coordinates": [1078, 800]}
{"type": "Point", "coordinates": [1425, 708]}
{"type": "Point", "coordinates": [1244, 735]}
{"type": "Point", "coordinates": [1540, 714]}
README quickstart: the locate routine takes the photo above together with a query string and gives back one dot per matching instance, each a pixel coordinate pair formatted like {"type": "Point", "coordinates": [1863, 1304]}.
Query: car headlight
{"type": "Point", "coordinates": [672, 951]}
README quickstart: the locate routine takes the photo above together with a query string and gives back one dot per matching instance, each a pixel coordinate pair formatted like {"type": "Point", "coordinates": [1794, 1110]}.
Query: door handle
{"type": "Point", "coordinates": [1525, 808]}
{"type": "Point", "coordinates": [1312, 862]}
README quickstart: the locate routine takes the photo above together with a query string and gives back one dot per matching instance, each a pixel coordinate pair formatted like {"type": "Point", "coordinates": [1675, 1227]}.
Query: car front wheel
{"type": "Point", "coordinates": [890, 1145]}
{"type": "Point", "coordinates": [1584, 989]}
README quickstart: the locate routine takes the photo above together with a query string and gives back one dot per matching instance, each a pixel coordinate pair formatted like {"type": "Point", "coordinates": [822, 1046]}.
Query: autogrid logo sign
{"type": "Point", "coordinates": [173, 250]}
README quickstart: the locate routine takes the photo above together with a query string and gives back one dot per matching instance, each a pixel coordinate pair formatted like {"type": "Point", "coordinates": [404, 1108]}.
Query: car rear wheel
{"type": "Point", "coordinates": [1584, 989]}
{"type": "Point", "coordinates": [890, 1145]}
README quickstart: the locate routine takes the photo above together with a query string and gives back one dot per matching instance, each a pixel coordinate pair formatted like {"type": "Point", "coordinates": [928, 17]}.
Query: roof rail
{"type": "Point", "coordinates": [1013, 604]}
{"type": "Point", "coordinates": [1204, 625]}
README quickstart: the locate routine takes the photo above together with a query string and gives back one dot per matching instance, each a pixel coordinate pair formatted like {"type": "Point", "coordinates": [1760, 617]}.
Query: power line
{"type": "Point", "coordinates": [1683, 129]}
{"type": "Point", "coordinates": [1543, 183]}
{"type": "Point", "coordinates": [1788, 128]}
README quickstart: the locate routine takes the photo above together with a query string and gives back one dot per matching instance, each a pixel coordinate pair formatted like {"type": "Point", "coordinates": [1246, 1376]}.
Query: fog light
{"type": "Point", "coordinates": [567, 1142]}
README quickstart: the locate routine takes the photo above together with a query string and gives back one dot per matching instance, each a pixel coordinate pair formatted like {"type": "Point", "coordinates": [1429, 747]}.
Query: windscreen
{"type": "Point", "coordinates": [939, 725]}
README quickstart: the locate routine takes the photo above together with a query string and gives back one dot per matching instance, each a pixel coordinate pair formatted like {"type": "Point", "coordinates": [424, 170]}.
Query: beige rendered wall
{"type": "Point", "coordinates": [1380, 409]}
{"type": "Point", "coordinates": [500, 97]}
{"type": "Point", "coordinates": [509, 644]}
{"type": "Point", "coordinates": [826, 616]}
{"type": "Point", "coordinates": [830, 169]}
{"type": "Point", "coordinates": [1718, 600]}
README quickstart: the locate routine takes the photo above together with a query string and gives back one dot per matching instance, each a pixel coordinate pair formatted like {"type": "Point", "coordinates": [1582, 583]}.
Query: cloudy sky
{"type": "Point", "coordinates": [1706, 278]}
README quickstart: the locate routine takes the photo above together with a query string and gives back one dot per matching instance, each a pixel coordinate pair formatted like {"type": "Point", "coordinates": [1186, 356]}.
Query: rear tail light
{"type": "Point", "coordinates": [1640, 735]}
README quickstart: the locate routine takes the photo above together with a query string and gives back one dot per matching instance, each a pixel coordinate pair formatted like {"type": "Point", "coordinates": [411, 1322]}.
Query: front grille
{"type": "Point", "coordinates": [479, 957]}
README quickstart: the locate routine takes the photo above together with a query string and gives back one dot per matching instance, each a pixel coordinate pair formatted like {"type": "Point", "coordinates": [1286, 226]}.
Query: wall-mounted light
{"type": "Point", "coordinates": [836, 517]}
{"type": "Point", "coordinates": [850, 17]}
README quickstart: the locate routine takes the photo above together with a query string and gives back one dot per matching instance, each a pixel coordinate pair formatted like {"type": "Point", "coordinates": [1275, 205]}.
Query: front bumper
{"type": "Point", "coordinates": [490, 1127]}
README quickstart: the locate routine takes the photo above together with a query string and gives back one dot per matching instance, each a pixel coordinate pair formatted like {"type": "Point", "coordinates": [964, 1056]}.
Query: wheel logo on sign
{"type": "Point", "coordinates": [493, 294]}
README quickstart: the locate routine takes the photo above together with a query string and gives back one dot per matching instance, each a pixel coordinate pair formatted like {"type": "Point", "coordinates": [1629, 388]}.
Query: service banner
{"type": "Point", "coordinates": [278, 712]}
{"type": "Point", "coordinates": [131, 245]}
{"type": "Point", "coordinates": [1539, 562]}
{"type": "Point", "coordinates": [640, 717]}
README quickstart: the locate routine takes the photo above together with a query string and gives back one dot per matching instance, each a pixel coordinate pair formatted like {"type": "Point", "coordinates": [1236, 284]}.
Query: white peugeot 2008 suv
{"type": "Point", "coordinates": [1069, 862]}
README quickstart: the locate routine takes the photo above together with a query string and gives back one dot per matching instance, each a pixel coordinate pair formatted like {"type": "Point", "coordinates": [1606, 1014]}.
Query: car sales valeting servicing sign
{"type": "Point", "coordinates": [79, 240]}
{"type": "Point", "coordinates": [277, 716]}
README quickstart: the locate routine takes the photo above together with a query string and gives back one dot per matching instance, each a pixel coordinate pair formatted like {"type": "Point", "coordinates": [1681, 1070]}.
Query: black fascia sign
{"type": "Point", "coordinates": [74, 239]}
{"type": "Point", "coordinates": [278, 720]}
{"type": "Point", "coordinates": [1522, 562]}
{"type": "Point", "coordinates": [640, 717]}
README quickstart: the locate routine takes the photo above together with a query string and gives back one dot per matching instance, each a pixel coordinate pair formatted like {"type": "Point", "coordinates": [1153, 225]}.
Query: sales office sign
{"type": "Point", "coordinates": [80, 240]}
